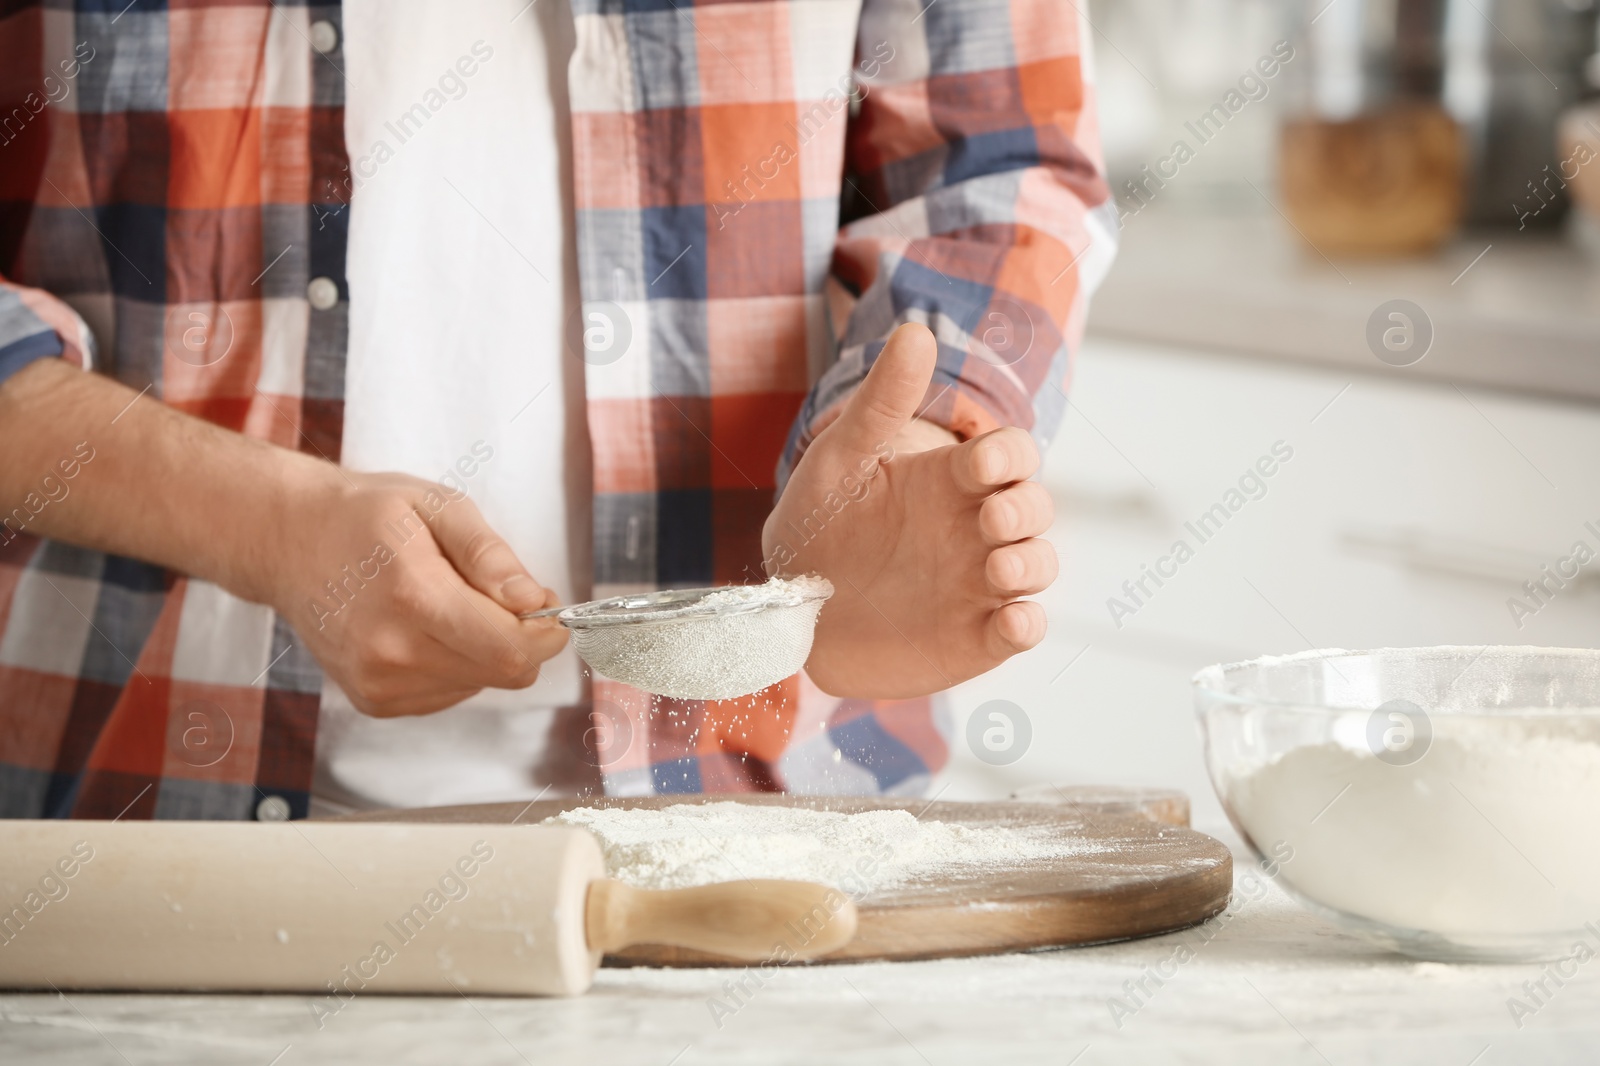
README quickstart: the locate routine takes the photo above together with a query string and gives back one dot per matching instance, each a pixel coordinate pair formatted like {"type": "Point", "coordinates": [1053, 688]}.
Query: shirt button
{"type": "Point", "coordinates": [272, 809]}
{"type": "Point", "coordinates": [324, 38]}
{"type": "Point", "coordinates": [323, 293]}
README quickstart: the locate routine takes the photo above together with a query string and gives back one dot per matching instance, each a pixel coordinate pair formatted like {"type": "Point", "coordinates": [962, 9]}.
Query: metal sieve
{"type": "Point", "coordinates": [699, 644]}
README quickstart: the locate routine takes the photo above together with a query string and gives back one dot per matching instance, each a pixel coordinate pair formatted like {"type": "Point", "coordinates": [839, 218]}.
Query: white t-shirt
{"type": "Point", "coordinates": [463, 281]}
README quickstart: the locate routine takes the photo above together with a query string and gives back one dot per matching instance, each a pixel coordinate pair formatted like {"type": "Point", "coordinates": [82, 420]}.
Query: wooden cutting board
{"type": "Point", "coordinates": [1148, 873]}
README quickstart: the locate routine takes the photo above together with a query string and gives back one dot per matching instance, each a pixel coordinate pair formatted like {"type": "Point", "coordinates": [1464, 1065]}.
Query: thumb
{"type": "Point", "coordinates": [484, 559]}
{"type": "Point", "coordinates": [891, 393]}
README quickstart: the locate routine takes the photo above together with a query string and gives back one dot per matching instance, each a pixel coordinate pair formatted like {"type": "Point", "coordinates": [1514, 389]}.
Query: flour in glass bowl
{"type": "Point", "coordinates": [1492, 832]}
{"type": "Point", "coordinates": [700, 843]}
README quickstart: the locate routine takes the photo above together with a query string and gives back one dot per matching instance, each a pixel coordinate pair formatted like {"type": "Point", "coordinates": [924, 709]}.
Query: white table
{"type": "Point", "coordinates": [1273, 985]}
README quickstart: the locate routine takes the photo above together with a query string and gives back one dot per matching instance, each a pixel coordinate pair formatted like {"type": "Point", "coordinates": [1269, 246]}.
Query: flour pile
{"type": "Point", "coordinates": [1491, 832]}
{"type": "Point", "coordinates": [695, 844]}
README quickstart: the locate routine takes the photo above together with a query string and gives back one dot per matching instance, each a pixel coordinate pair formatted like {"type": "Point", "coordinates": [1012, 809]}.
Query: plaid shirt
{"type": "Point", "coordinates": [764, 189]}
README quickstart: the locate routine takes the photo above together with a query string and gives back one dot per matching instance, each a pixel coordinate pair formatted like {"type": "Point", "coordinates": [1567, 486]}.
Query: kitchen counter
{"type": "Point", "coordinates": [1518, 312]}
{"type": "Point", "coordinates": [1270, 983]}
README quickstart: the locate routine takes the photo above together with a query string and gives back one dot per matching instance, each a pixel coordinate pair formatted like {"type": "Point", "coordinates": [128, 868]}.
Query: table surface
{"type": "Point", "coordinates": [1266, 983]}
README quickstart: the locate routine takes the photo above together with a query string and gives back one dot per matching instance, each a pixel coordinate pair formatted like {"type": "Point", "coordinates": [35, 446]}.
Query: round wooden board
{"type": "Point", "coordinates": [1143, 876]}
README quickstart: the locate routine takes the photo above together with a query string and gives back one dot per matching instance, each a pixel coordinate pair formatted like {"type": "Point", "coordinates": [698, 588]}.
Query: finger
{"type": "Point", "coordinates": [483, 557]}
{"type": "Point", "coordinates": [478, 629]}
{"type": "Point", "coordinates": [1015, 628]}
{"type": "Point", "coordinates": [413, 663]}
{"type": "Point", "coordinates": [997, 458]}
{"type": "Point", "coordinates": [410, 706]}
{"type": "Point", "coordinates": [892, 392]}
{"type": "Point", "coordinates": [1022, 569]}
{"type": "Point", "coordinates": [1024, 510]}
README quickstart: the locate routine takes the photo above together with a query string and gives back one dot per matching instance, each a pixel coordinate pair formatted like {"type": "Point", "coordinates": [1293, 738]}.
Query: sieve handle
{"type": "Point", "coordinates": [548, 612]}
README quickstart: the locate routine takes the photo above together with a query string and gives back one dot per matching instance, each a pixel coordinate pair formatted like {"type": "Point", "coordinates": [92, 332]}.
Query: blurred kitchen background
{"type": "Point", "coordinates": [1378, 245]}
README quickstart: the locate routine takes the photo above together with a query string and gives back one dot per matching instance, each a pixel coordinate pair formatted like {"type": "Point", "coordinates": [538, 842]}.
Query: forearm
{"type": "Point", "coordinates": [90, 462]}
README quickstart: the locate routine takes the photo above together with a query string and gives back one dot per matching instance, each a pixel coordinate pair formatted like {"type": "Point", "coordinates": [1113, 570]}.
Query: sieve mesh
{"type": "Point", "coordinates": [729, 643]}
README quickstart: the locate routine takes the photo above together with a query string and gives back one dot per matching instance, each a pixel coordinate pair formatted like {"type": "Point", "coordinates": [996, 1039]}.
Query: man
{"type": "Point", "coordinates": [603, 280]}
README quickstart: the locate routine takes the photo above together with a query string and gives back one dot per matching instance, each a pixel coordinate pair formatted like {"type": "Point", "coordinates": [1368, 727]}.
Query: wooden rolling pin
{"type": "Point", "coordinates": [336, 910]}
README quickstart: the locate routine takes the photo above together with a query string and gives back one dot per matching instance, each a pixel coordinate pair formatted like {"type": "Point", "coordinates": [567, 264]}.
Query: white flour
{"type": "Point", "coordinates": [777, 591]}
{"type": "Point", "coordinates": [1492, 831]}
{"type": "Point", "coordinates": [714, 654]}
{"type": "Point", "coordinates": [696, 844]}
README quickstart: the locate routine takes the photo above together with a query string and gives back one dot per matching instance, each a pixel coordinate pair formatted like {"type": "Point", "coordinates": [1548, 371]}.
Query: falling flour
{"type": "Point", "coordinates": [699, 843]}
{"type": "Point", "coordinates": [1491, 833]}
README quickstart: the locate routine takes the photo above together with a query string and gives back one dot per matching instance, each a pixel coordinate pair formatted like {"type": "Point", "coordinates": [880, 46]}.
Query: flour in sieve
{"type": "Point", "coordinates": [774, 592]}
{"type": "Point", "coordinates": [700, 843]}
{"type": "Point", "coordinates": [712, 653]}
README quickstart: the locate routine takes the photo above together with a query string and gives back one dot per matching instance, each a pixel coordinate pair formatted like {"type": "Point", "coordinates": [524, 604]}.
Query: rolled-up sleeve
{"type": "Point", "coordinates": [35, 325]}
{"type": "Point", "coordinates": [975, 202]}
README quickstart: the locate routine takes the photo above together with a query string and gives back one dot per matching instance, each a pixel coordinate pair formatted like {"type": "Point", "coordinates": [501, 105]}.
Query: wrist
{"type": "Point", "coordinates": [275, 508]}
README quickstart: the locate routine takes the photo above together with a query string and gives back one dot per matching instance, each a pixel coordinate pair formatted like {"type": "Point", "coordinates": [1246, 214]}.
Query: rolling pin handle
{"type": "Point", "coordinates": [752, 921]}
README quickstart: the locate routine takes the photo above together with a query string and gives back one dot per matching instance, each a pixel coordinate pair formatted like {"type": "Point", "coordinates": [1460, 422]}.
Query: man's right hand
{"type": "Point", "coordinates": [405, 595]}
{"type": "Point", "coordinates": [422, 629]}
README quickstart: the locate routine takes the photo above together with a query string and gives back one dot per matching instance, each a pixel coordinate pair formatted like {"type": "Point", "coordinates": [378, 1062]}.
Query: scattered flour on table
{"type": "Point", "coordinates": [696, 844]}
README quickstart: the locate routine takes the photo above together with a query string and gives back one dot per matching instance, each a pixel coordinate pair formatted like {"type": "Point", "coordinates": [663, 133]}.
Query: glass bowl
{"type": "Point", "coordinates": [1442, 801]}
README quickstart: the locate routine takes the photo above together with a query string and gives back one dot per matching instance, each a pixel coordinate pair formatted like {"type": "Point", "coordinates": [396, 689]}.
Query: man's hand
{"type": "Point", "coordinates": [927, 550]}
{"type": "Point", "coordinates": [406, 596]}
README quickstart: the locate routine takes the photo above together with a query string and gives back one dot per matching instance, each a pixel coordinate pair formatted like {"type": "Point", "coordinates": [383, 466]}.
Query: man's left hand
{"type": "Point", "coordinates": [928, 542]}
